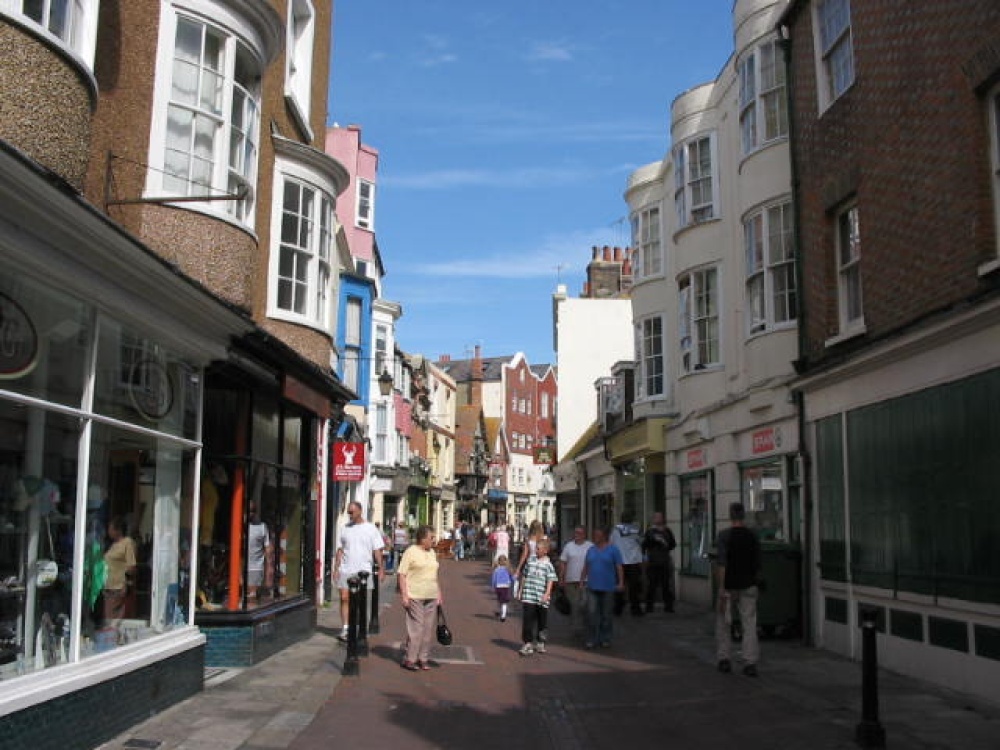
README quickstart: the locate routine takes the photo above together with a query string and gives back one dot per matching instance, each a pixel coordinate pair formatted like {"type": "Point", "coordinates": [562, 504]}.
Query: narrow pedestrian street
{"type": "Point", "coordinates": [657, 685]}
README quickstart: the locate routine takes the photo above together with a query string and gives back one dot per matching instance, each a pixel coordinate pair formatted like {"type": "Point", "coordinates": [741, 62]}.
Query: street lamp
{"type": "Point", "coordinates": [385, 383]}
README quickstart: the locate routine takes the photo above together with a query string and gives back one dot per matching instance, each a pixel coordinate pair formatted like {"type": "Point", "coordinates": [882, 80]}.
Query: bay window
{"type": "Point", "coordinates": [771, 295]}
{"type": "Point", "coordinates": [694, 181]}
{"type": "Point", "coordinates": [763, 108]}
{"type": "Point", "coordinates": [650, 356]}
{"type": "Point", "coordinates": [646, 241]}
{"type": "Point", "coordinates": [698, 319]}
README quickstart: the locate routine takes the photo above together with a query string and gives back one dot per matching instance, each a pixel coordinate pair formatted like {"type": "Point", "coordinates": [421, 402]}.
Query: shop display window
{"type": "Point", "coordinates": [696, 530]}
{"type": "Point", "coordinates": [140, 381]}
{"type": "Point", "coordinates": [764, 498]}
{"type": "Point", "coordinates": [253, 515]}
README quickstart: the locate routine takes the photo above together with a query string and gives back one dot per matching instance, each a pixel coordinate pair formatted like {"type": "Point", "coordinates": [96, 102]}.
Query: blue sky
{"type": "Point", "coordinates": [506, 132]}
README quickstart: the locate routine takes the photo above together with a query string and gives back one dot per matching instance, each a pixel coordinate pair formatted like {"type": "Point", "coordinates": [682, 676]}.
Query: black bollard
{"type": "Point", "coordinates": [373, 624]}
{"type": "Point", "coordinates": [351, 664]}
{"type": "Point", "coordinates": [363, 576]}
{"type": "Point", "coordinates": [869, 733]}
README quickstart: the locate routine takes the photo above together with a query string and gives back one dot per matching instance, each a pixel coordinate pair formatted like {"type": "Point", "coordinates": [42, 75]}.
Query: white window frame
{"type": "Point", "coordinates": [75, 33]}
{"type": "Point", "coordinates": [299, 45]}
{"type": "Point", "coordinates": [762, 98]}
{"type": "Point", "coordinates": [381, 433]}
{"type": "Point", "coordinates": [351, 373]}
{"type": "Point", "coordinates": [364, 210]}
{"type": "Point", "coordinates": [317, 283]}
{"type": "Point", "coordinates": [545, 405]}
{"type": "Point", "coordinates": [993, 106]}
{"type": "Point", "coordinates": [651, 355]}
{"type": "Point", "coordinates": [691, 177]}
{"type": "Point", "coordinates": [834, 47]}
{"type": "Point", "coordinates": [230, 168]}
{"type": "Point", "coordinates": [699, 330]}
{"type": "Point", "coordinates": [381, 349]}
{"type": "Point", "coordinates": [769, 254]}
{"type": "Point", "coordinates": [647, 234]}
{"type": "Point", "coordinates": [847, 256]}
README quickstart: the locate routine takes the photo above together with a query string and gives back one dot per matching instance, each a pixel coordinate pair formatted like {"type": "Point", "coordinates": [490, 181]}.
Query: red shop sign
{"type": "Point", "coordinates": [696, 458]}
{"type": "Point", "coordinates": [348, 462]}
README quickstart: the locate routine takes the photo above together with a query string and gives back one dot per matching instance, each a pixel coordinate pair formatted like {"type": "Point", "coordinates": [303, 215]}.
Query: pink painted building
{"type": "Point", "coordinates": [356, 205]}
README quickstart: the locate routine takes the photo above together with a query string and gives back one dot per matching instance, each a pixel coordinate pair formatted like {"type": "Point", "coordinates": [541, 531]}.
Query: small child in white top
{"type": "Point", "coordinates": [502, 581]}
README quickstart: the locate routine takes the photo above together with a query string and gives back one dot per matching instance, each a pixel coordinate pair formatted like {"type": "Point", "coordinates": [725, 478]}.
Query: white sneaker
{"type": "Point", "coordinates": [343, 635]}
{"type": "Point", "coordinates": [526, 650]}
{"type": "Point", "coordinates": [539, 648]}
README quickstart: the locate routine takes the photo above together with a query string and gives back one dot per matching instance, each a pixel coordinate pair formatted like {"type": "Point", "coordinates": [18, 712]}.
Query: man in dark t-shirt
{"type": "Point", "coordinates": [737, 571]}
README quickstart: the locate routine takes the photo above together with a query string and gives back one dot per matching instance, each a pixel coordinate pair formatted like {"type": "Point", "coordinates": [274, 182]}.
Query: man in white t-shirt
{"type": "Point", "coordinates": [627, 537]}
{"type": "Point", "coordinates": [571, 562]}
{"type": "Point", "coordinates": [360, 543]}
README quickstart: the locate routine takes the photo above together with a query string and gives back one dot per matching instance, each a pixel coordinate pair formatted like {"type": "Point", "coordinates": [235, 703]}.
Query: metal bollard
{"type": "Point", "coordinates": [869, 733]}
{"type": "Point", "coordinates": [351, 664]}
{"type": "Point", "coordinates": [364, 575]}
{"type": "Point", "coordinates": [373, 623]}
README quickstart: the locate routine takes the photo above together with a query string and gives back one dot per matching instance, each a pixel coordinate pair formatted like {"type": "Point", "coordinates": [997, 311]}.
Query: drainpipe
{"type": "Point", "coordinates": [785, 42]}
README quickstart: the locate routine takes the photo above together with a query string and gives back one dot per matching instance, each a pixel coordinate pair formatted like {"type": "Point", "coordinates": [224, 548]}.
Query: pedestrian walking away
{"type": "Point", "coordinates": [603, 576]}
{"type": "Point", "coordinates": [420, 596]}
{"type": "Point", "coordinates": [502, 581]}
{"type": "Point", "coordinates": [537, 583]}
{"type": "Point", "coordinates": [361, 544]}
{"type": "Point", "coordinates": [657, 546]}
{"type": "Point", "coordinates": [571, 562]}
{"type": "Point", "coordinates": [737, 571]}
{"type": "Point", "coordinates": [400, 541]}
{"type": "Point", "coordinates": [499, 541]}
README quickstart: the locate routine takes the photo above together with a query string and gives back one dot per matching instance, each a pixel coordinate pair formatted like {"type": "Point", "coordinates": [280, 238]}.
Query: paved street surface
{"type": "Point", "coordinates": [656, 686]}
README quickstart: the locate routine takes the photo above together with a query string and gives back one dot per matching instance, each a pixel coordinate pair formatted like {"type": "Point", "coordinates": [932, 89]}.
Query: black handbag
{"type": "Point", "coordinates": [562, 602]}
{"type": "Point", "coordinates": [443, 632]}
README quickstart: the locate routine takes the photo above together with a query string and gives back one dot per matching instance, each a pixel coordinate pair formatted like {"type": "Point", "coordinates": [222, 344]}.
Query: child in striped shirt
{"type": "Point", "coordinates": [537, 582]}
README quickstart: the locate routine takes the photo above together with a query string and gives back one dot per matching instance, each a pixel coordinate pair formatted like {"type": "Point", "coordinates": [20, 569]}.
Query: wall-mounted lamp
{"type": "Point", "coordinates": [385, 383]}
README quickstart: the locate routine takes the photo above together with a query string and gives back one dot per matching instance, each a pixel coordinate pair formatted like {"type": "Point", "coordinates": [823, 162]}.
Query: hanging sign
{"type": "Point", "coordinates": [348, 462]}
{"type": "Point", "coordinates": [18, 340]}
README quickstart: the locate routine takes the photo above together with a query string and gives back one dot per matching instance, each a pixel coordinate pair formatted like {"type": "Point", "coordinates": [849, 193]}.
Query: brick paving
{"type": "Point", "coordinates": [657, 685]}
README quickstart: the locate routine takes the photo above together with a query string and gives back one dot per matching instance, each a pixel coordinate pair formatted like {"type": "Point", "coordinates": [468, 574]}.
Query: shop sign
{"type": "Point", "coordinates": [348, 462]}
{"type": "Point", "coordinates": [18, 340]}
{"type": "Point", "coordinates": [765, 441]}
{"type": "Point", "coordinates": [696, 459]}
{"type": "Point", "coordinates": [544, 455]}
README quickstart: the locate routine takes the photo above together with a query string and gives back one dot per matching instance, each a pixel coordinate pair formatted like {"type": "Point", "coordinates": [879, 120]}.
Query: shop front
{"type": "Point", "coordinates": [496, 503]}
{"type": "Point", "coordinates": [102, 350]}
{"type": "Point", "coordinates": [259, 536]}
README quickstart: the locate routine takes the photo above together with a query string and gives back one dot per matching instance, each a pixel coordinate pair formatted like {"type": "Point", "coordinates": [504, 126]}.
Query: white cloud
{"type": "Point", "coordinates": [557, 256]}
{"type": "Point", "coordinates": [550, 52]}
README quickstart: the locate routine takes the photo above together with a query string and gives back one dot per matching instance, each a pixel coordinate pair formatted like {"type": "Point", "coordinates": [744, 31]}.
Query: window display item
{"type": "Point", "coordinates": [46, 569]}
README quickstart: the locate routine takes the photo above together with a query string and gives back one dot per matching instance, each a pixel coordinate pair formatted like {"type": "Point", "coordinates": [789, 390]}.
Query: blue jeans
{"type": "Point", "coordinates": [601, 606]}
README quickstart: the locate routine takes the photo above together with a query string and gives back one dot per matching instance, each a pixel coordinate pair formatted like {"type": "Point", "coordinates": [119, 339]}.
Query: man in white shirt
{"type": "Point", "coordinates": [571, 562]}
{"type": "Point", "coordinates": [361, 542]}
{"type": "Point", "coordinates": [627, 537]}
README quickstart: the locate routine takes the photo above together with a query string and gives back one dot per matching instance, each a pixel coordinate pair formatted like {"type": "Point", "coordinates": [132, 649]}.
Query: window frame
{"type": "Point", "coordinates": [849, 326]}
{"type": "Point", "coordinates": [300, 40]}
{"type": "Point", "coordinates": [993, 118]}
{"type": "Point", "coordinates": [319, 308]}
{"type": "Point", "coordinates": [364, 206]}
{"type": "Point", "coordinates": [647, 241]}
{"type": "Point", "coordinates": [651, 359]}
{"type": "Point", "coordinates": [690, 286]}
{"type": "Point", "coordinates": [760, 98]}
{"type": "Point", "coordinates": [687, 179]}
{"type": "Point", "coordinates": [762, 268]}
{"type": "Point", "coordinates": [830, 43]}
{"type": "Point", "coordinates": [78, 37]}
{"type": "Point", "coordinates": [236, 34]}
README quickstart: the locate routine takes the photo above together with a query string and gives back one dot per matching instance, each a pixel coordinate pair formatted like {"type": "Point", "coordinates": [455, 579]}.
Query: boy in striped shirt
{"type": "Point", "coordinates": [537, 582]}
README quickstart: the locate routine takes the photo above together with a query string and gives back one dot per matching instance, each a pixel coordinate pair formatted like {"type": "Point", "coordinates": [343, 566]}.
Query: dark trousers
{"type": "Point", "coordinates": [633, 590]}
{"type": "Point", "coordinates": [534, 622]}
{"type": "Point", "coordinates": [659, 580]}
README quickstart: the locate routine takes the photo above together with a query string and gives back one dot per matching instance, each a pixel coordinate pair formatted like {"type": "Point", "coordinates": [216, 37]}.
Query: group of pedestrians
{"type": "Point", "coordinates": [597, 577]}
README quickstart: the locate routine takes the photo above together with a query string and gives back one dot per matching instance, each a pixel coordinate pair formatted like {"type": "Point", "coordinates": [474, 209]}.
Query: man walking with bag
{"type": "Point", "coordinates": [737, 570]}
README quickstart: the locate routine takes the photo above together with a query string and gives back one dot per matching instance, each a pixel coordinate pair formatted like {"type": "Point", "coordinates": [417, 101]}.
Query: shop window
{"type": "Point", "coordinates": [765, 500]}
{"type": "Point", "coordinates": [45, 342]}
{"type": "Point", "coordinates": [697, 527]}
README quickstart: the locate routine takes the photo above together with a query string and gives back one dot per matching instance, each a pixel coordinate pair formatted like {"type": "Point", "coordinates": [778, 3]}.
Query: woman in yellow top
{"type": "Point", "coordinates": [420, 595]}
{"type": "Point", "coordinates": [119, 587]}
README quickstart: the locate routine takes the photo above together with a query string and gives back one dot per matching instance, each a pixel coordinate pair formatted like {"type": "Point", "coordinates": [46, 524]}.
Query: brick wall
{"type": "Point", "coordinates": [908, 141]}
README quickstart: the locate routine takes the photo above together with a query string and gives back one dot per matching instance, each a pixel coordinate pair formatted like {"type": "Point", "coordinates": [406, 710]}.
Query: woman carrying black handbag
{"type": "Point", "coordinates": [420, 596]}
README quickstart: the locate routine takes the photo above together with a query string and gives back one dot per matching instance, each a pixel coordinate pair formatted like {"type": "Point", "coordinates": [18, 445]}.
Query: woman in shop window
{"type": "Point", "coordinates": [120, 562]}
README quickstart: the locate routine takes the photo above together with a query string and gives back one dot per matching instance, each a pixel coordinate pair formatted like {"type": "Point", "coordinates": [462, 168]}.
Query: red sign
{"type": "Point", "coordinates": [348, 462]}
{"type": "Point", "coordinates": [765, 441]}
{"type": "Point", "coordinates": [696, 458]}
{"type": "Point", "coordinates": [545, 455]}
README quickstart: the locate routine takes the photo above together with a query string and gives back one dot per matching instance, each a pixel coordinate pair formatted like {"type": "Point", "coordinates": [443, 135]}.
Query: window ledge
{"type": "Point", "coordinates": [853, 331]}
{"type": "Point", "coordinates": [702, 370]}
{"type": "Point", "coordinates": [989, 267]}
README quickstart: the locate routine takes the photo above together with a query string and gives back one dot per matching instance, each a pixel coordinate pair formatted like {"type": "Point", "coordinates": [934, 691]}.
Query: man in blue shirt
{"type": "Point", "coordinates": [603, 575]}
